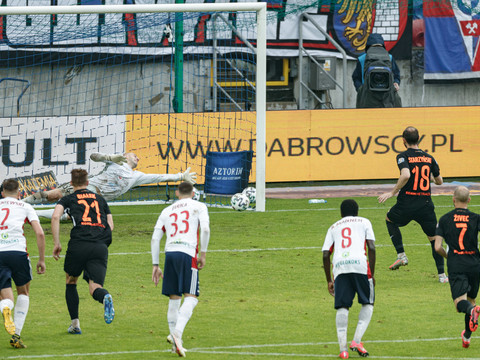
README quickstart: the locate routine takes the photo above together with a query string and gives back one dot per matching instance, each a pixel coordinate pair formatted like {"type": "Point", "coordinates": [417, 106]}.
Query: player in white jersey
{"type": "Point", "coordinates": [14, 260]}
{"type": "Point", "coordinates": [180, 223]}
{"type": "Point", "coordinates": [117, 177]}
{"type": "Point", "coordinates": [348, 239]}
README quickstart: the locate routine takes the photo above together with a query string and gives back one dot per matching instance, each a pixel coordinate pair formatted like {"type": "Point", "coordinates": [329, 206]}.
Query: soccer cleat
{"type": "Point", "coordinates": [179, 346]}
{"type": "Point", "coordinates": [401, 261]}
{"type": "Point", "coordinates": [343, 355]}
{"type": "Point", "coordinates": [109, 312]}
{"type": "Point", "coordinates": [171, 342]}
{"type": "Point", "coordinates": [7, 319]}
{"type": "Point", "coordinates": [74, 330]}
{"type": "Point", "coordinates": [16, 342]}
{"type": "Point", "coordinates": [358, 347]}
{"type": "Point", "coordinates": [474, 318]}
{"type": "Point", "coordinates": [465, 341]}
{"type": "Point", "coordinates": [443, 278]}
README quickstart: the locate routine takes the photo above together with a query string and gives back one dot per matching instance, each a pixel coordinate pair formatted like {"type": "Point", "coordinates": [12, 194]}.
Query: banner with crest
{"type": "Point", "coordinates": [348, 22]}
{"type": "Point", "coordinates": [452, 31]}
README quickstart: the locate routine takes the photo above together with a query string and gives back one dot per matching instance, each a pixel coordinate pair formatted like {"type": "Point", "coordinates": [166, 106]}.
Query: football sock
{"type": "Point", "coordinates": [464, 306]}
{"type": "Point", "coordinates": [99, 294]}
{"type": "Point", "coordinates": [48, 214]}
{"type": "Point", "coordinates": [438, 259]}
{"type": "Point", "coordinates": [45, 213]}
{"type": "Point", "coordinates": [363, 320]}
{"type": "Point", "coordinates": [184, 314]}
{"type": "Point", "coordinates": [6, 303]}
{"type": "Point", "coordinates": [21, 310]}
{"type": "Point", "coordinates": [467, 333]}
{"type": "Point", "coordinates": [71, 295]}
{"type": "Point", "coordinates": [172, 313]}
{"type": "Point", "coordinates": [76, 323]}
{"type": "Point", "coordinates": [341, 321]}
{"type": "Point", "coordinates": [395, 236]}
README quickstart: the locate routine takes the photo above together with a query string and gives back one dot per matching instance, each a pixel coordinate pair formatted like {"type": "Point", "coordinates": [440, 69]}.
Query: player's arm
{"type": "Point", "coordinates": [110, 221]}
{"type": "Point", "coordinates": [40, 235]}
{"type": "Point", "coordinates": [116, 158]}
{"type": "Point", "coordinates": [155, 248]}
{"type": "Point", "coordinates": [141, 178]}
{"type": "Point", "coordinates": [438, 180]}
{"type": "Point", "coordinates": [204, 240]}
{"type": "Point", "coordinates": [402, 180]}
{"type": "Point", "coordinates": [438, 246]}
{"type": "Point", "coordinates": [371, 257]}
{"type": "Point", "coordinates": [328, 274]}
{"type": "Point", "coordinates": [57, 247]}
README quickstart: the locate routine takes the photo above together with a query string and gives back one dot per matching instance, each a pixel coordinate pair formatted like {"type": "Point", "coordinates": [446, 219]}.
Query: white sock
{"type": "Point", "coordinates": [172, 313]}
{"type": "Point", "coordinates": [401, 255]}
{"type": "Point", "coordinates": [76, 323]}
{"type": "Point", "coordinates": [21, 311]}
{"type": "Point", "coordinates": [48, 214]}
{"type": "Point", "coordinates": [6, 302]}
{"type": "Point", "coordinates": [45, 213]}
{"type": "Point", "coordinates": [184, 314]}
{"type": "Point", "coordinates": [363, 320]}
{"type": "Point", "coordinates": [341, 321]}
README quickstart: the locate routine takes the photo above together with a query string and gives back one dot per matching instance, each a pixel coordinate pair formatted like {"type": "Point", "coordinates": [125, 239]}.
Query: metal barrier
{"type": "Point", "coordinates": [215, 52]}
{"type": "Point", "coordinates": [301, 51]}
{"type": "Point", "coordinates": [21, 94]}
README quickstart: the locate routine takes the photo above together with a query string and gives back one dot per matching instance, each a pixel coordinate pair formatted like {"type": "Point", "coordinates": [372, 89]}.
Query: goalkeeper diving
{"type": "Point", "coordinates": [117, 177]}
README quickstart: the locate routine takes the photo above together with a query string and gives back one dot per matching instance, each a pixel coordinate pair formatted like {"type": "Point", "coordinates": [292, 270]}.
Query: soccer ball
{"type": "Point", "coordinates": [251, 193]}
{"type": "Point", "coordinates": [239, 202]}
{"type": "Point", "coordinates": [196, 194]}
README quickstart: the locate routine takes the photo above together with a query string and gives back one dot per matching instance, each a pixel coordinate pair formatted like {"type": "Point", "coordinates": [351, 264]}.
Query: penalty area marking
{"type": "Point", "coordinates": [229, 350]}
{"type": "Point", "coordinates": [242, 250]}
{"type": "Point", "coordinates": [386, 208]}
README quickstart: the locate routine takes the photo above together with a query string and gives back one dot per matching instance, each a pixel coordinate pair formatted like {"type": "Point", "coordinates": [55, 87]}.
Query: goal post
{"type": "Point", "coordinates": [144, 124]}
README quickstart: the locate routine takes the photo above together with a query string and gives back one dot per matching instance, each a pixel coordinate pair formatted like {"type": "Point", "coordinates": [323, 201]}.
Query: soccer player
{"type": "Point", "coordinates": [14, 260]}
{"type": "Point", "coordinates": [414, 202]}
{"type": "Point", "coordinates": [180, 224]}
{"type": "Point", "coordinates": [87, 250]}
{"type": "Point", "coordinates": [348, 239]}
{"type": "Point", "coordinates": [117, 177]}
{"type": "Point", "coordinates": [459, 228]}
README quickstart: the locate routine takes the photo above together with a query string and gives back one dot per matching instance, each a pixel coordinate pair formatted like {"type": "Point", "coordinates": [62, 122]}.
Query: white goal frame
{"type": "Point", "coordinates": [261, 65]}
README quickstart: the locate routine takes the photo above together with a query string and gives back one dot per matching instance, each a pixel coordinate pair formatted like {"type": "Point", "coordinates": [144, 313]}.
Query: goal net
{"type": "Point", "coordinates": [167, 82]}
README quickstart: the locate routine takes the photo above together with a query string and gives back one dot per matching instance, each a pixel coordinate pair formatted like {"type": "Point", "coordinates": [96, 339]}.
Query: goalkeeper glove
{"type": "Point", "coordinates": [188, 176]}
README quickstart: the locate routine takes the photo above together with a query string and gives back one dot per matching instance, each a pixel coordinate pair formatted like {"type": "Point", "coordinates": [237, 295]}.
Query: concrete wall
{"type": "Point", "coordinates": [101, 89]}
{"type": "Point", "coordinates": [145, 88]}
{"type": "Point", "coordinates": [413, 91]}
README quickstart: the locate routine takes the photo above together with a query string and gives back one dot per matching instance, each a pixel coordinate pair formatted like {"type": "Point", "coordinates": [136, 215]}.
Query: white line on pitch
{"type": "Point", "coordinates": [245, 250]}
{"type": "Point", "coordinates": [386, 208]}
{"type": "Point", "coordinates": [218, 350]}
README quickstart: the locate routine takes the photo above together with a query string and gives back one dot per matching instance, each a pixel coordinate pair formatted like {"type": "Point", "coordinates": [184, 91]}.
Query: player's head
{"type": "Point", "coordinates": [410, 135]}
{"type": "Point", "coordinates": [132, 159]}
{"type": "Point", "coordinates": [185, 190]}
{"type": "Point", "coordinates": [461, 196]}
{"type": "Point", "coordinates": [349, 207]}
{"type": "Point", "coordinates": [10, 188]}
{"type": "Point", "coordinates": [79, 178]}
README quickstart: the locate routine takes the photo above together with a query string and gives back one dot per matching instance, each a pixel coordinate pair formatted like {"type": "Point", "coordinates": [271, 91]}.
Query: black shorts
{"type": "Point", "coordinates": [89, 257]}
{"type": "Point", "coordinates": [464, 283]}
{"type": "Point", "coordinates": [14, 265]}
{"type": "Point", "coordinates": [402, 214]}
{"type": "Point", "coordinates": [346, 285]}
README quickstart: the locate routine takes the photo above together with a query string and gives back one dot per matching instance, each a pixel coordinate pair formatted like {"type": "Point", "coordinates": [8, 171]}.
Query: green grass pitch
{"type": "Point", "coordinates": [263, 293]}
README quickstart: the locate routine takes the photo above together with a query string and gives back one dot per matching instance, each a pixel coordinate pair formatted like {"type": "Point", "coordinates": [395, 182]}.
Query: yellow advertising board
{"type": "Point", "coordinates": [314, 145]}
